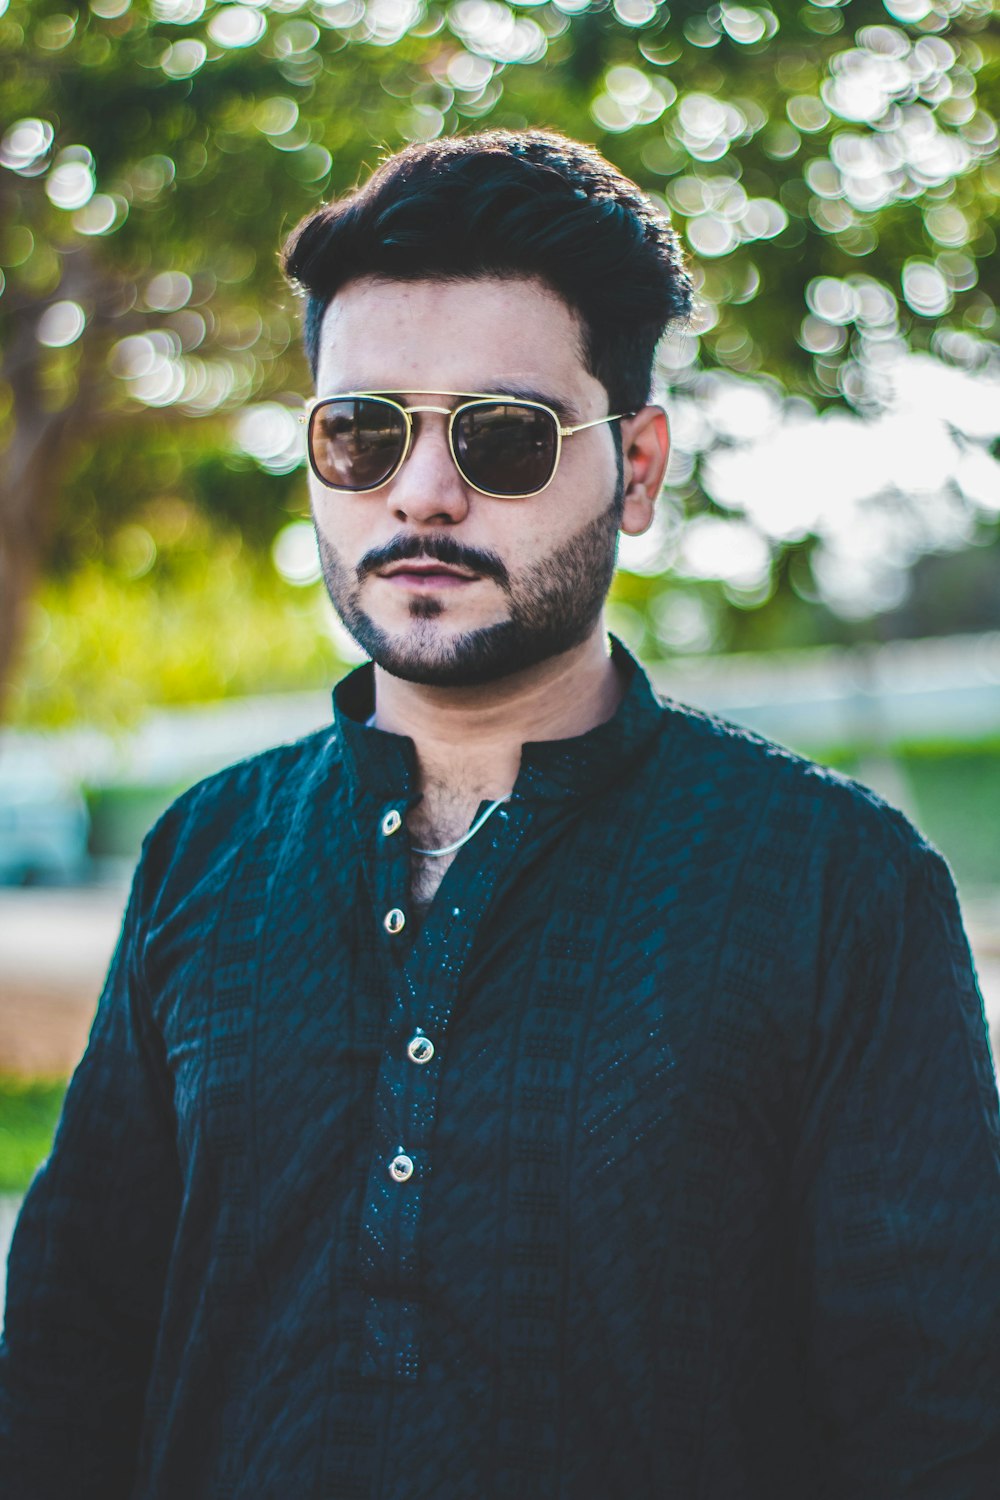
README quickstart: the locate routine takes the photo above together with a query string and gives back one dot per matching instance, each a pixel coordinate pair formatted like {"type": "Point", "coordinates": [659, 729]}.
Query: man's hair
{"type": "Point", "coordinates": [508, 203]}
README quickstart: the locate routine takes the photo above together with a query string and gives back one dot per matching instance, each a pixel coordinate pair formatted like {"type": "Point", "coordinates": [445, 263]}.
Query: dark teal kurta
{"type": "Point", "coordinates": [705, 1199]}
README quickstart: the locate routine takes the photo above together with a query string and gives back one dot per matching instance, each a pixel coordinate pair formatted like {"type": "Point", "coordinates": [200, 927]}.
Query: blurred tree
{"type": "Point", "coordinates": [832, 164]}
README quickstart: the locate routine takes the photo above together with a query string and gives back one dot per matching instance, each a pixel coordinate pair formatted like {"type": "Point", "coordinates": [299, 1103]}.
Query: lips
{"type": "Point", "coordinates": [427, 571]}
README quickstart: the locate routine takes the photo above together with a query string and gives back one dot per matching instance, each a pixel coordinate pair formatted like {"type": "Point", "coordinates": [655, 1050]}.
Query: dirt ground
{"type": "Point", "coordinates": [55, 946]}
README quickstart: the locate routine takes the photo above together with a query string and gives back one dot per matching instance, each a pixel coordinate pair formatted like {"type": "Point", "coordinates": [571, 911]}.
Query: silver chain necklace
{"type": "Point", "coordinates": [451, 848]}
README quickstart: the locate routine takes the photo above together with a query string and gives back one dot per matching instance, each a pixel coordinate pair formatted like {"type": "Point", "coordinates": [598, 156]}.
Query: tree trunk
{"type": "Point", "coordinates": [42, 438]}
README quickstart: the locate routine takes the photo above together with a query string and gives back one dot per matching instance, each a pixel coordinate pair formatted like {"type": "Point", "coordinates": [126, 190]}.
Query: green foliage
{"type": "Point", "coordinates": [29, 1113]}
{"type": "Point", "coordinates": [958, 799]}
{"type": "Point", "coordinates": [173, 479]}
{"type": "Point", "coordinates": [176, 604]}
{"type": "Point", "coordinates": [121, 816]}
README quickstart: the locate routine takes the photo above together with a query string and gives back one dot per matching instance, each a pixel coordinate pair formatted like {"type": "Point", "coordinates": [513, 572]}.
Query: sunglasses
{"type": "Point", "coordinates": [502, 446]}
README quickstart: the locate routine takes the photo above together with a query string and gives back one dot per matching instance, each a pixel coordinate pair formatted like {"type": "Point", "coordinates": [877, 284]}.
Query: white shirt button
{"type": "Point", "coordinates": [391, 823]}
{"type": "Point", "coordinates": [420, 1049]}
{"type": "Point", "coordinates": [394, 921]}
{"type": "Point", "coordinates": [401, 1168]}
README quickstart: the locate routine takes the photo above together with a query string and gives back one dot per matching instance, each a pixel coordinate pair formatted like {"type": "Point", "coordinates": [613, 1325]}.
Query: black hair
{"type": "Point", "coordinates": [501, 203]}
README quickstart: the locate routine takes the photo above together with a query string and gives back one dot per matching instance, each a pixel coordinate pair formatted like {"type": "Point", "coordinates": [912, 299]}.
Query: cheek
{"type": "Point", "coordinates": [579, 494]}
{"type": "Point", "coordinates": [319, 505]}
{"type": "Point", "coordinates": [338, 523]}
{"type": "Point", "coordinates": [520, 538]}
{"type": "Point", "coordinates": [590, 469]}
{"type": "Point", "coordinates": [533, 555]}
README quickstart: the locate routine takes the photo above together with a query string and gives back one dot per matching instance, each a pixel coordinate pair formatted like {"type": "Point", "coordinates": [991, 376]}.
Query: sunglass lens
{"type": "Point", "coordinates": [506, 448]}
{"type": "Point", "coordinates": [355, 443]}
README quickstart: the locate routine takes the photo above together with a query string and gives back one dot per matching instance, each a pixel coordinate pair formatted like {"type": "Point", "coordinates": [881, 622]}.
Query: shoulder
{"type": "Point", "coordinates": [205, 825]}
{"type": "Point", "coordinates": [786, 795]}
{"type": "Point", "coordinates": [828, 880]}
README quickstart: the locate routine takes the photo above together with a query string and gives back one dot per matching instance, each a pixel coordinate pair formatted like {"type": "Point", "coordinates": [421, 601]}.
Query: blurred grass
{"type": "Point", "coordinates": [954, 800]}
{"type": "Point", "coordinates": [29, 1112]}
{"type": "Point", "coordinates": [958, 800]}
{"type": "Point", "coordinates": [121, 816]}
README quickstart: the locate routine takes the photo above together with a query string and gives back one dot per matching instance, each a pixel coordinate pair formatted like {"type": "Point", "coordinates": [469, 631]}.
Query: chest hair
{"type": "Point", "coordinates": [442, 815]}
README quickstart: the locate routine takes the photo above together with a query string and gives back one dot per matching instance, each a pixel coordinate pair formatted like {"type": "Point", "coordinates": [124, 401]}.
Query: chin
{"type": "Point", "coordinates": [468, 658]}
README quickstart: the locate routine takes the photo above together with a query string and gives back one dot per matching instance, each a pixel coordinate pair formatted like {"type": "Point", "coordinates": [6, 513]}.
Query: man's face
{"type": "Point", "coordinates": [518, 580]}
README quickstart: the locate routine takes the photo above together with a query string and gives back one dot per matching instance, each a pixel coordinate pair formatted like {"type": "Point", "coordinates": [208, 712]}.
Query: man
{"type": "Point", "coordinates": [523, 1088]}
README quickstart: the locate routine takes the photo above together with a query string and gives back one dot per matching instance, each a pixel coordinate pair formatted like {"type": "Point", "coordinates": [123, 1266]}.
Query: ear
{"type": "Point", "coordinates": [646, 446]}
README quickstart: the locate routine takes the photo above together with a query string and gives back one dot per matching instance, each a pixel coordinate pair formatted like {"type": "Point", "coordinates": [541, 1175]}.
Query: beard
{"type": "Point", "coordinates": [552, 606]}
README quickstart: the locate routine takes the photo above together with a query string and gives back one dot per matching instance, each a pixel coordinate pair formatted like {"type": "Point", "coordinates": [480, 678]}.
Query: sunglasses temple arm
{"type": "Point", "coordinates": [597, 422]}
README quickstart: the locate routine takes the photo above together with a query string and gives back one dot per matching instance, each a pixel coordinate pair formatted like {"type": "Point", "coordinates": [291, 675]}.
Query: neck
{"type": "Point", "coordinates": [470, 738]}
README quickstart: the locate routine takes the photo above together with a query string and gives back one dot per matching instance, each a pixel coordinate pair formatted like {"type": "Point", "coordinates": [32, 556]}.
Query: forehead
{"type": "Point", "coordinates": [466, 335]}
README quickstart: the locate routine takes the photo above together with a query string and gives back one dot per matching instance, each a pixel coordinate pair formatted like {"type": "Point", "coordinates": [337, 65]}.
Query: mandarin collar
{"type": "Point", "coordinates": [381, 765]}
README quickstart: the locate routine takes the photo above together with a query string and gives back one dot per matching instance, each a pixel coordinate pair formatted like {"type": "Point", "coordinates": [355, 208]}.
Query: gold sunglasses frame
{"type": "Point", "coordinates": [468, 399]}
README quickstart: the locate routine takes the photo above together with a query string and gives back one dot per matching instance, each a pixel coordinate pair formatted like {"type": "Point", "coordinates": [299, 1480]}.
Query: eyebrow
{"type": "Point", "coordinates": [564, 410]}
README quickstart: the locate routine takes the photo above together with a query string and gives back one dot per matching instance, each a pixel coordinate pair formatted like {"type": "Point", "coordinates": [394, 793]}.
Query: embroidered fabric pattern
{"type": "Point", "coordinates": [660, 1158]}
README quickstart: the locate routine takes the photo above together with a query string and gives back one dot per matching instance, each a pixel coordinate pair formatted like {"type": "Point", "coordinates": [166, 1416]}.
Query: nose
{"type": "Point", "coordinates": [429, 490]}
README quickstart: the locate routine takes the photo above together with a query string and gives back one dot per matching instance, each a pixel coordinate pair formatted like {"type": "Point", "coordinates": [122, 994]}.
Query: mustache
{"type": "Point", "coordinates": [443, 549]}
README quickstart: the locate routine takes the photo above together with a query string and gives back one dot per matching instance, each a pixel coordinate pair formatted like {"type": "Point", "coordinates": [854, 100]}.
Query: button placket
{"type": "Point", "coordinates": [392, 860]}
{"type": "Point", "coordinates": [386, 858]}
{"type": "Point", "coordinates": [424, 979]}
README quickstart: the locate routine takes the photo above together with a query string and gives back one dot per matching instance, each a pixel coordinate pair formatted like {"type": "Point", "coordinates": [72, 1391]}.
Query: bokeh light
{"type": "Point", "coordinates": [295, 554]}
{"type": "Point", "coordinates": [61, 324]}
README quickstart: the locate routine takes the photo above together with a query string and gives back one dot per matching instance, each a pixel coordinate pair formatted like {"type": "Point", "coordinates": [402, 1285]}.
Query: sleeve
{"type": "Point", "coordinates": [898, 1243]}
{"type": "Point", "coordinates": [89, 1256]}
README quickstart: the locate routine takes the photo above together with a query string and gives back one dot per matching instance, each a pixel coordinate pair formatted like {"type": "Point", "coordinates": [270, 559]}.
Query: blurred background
{"type": "Point", "coordinates": [825, 566]}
